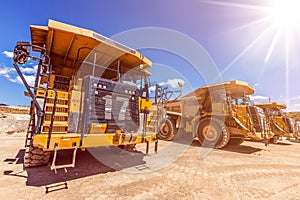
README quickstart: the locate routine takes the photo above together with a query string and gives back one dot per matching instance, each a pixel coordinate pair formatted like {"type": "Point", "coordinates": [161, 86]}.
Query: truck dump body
{"type": "Point", "coordinates": [63, 42]}
{"type": "Point", "coordinates": [197, 97]}
{"type": "Point", "coordinates": [272, 105]}
{"type": "Point", "coordinates": [235, 87]}
{"type": "Point", "coordinates": [202, 98]}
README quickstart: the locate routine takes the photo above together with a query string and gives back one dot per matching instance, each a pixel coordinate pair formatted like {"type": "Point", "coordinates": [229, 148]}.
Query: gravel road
{"type": "Point", "coordinates": [248, 171]}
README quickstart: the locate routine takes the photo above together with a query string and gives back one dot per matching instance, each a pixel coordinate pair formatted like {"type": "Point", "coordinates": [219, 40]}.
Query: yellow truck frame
{"type": "Point", "coordinates": [84, 81]}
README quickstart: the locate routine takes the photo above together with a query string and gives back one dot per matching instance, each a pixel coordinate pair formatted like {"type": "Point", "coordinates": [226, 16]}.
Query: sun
{"type": "Point", "coordinates": [278, 27]}
{"type": "Point", "coordinates": [285, 13]}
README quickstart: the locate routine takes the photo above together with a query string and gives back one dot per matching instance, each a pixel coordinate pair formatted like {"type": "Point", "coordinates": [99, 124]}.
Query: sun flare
{"type": "Point", "coordinates": [277, 29]}
{"type": "Point", "coordinates": [285, 13]}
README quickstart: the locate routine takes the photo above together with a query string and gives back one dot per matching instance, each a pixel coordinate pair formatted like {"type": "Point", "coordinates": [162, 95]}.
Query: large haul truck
{"type": "Point", "coordinates": [89, 91]}
{"type": "Point", "coordinates": [218, 115]}
{"type": "Point", "coordinates": [280, 124]}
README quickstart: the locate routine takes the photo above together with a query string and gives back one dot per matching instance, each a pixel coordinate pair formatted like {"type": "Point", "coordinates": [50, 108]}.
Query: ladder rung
{"type": "Point", "coordinates": [53, 132]}
{"type": "Point", "coordinates": [63, 114]}
{"type": "Point", "coordinates": [57, 105]}
{"type": "Point", "coordinates": [56, 123]}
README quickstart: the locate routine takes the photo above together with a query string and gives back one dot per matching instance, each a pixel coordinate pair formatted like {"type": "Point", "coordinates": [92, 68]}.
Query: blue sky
{"type": "Point", "coordinates": [242, 43]}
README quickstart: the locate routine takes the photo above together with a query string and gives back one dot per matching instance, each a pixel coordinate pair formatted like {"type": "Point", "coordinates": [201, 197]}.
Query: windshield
{"type": "Point", "coordinates": [109, 66]}
{"type": "Point", "coordinates": [132, 79]}
{"type": "Point", "coordinates": [241, 100]}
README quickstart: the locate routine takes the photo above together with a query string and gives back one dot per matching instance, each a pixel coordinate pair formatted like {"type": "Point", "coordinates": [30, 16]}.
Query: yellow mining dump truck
{"type": "Point", "coordinates": [89, 91]}
{"type": "Point", "coordinates": [279, 123]}
{"type": "Point", "coordinates": [217, 114]}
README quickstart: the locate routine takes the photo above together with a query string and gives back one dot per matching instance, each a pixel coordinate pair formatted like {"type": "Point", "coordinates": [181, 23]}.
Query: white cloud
{"type": "Point", "coordinates": [10, 74]}
{"type": "Point", "coordinates": [8, 54]}
{"type": "Point", "coordinates": [10, 78]}
{"type": "Point", "coordinates": [5, 70]}
{"type": "Point", "coordinates": [29, 70]}
{"type": "Point", "coordinates": [6, 76]}
{"type": "Point", "coordinates": [293, 107]}
{"type": "Point", "coordinates": [29, 79]}
{"type": "Point", "coordinates": [258, 97]}
{"type": "Point", "coordinates": [172, 82]}
{"type": "Point", "coordinates": [295, 98]}
{"type": "Point", "coordinates": [151, 89]}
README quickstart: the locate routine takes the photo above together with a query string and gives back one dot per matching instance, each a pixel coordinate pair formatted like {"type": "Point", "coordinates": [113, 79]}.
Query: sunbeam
{"type": "Point", "coordinates": [272, 46]}
{"type": "Point", "coordinates": [287, 66]}
{"type": "Point", "coordinates": [237, 5]}
{"type": "Point", "coordinates": [247, 26]}
{"type": "Point", "coordinates": [245, 51]}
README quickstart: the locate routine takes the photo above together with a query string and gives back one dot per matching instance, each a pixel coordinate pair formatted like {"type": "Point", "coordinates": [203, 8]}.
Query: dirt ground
{"type": "Point", "coordinates": [249, 171]}
{"type": "Point", "coordinates": [178, 171]}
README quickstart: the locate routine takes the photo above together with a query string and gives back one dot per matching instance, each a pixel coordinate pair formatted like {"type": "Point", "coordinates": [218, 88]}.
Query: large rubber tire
{"type": "Point", "coordinates": [36, 157]}
{"type": "Point", "coordinates": [212, 133]}
{"type": "Point", "coordinates": [167, 130]}
{"type": "Point", "coordinates": [236, 141]}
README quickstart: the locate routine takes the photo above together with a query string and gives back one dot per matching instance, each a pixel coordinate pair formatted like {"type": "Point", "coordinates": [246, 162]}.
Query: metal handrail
{"type": "Point", "coordinates": [40, 111]}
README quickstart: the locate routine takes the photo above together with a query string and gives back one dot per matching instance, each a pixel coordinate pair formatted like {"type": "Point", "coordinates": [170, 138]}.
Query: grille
{"type": "Point", "coordinates": [109, 102]}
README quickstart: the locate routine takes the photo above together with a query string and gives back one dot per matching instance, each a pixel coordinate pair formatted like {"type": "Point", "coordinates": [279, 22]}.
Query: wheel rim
{"type": "Point", "coordinates": [210, 133]}
{"type": "Point", "coordinates": [165, 129]}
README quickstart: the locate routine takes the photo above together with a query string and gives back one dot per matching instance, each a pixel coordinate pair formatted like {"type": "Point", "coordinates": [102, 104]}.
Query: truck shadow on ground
{"type": "Point", "coordinates": [242, 149]}
{"type": "Point", "coordinates": [294, 141]}
{"type": "Point", "coordinates": [283, 143]}
{"type": "Point", "coordinates": [88, 163]}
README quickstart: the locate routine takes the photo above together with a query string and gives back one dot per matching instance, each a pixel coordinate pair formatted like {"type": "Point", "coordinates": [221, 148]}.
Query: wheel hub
{"type": "Point", "coordinates": [165, 129]}
{"type": "Point", "coordinates": [210, 133]}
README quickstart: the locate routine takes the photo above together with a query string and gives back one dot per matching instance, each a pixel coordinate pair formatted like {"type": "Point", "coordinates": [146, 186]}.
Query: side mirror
{"type": "Point", "coordinates": [21, 52]}
{"type": "Point", "coordinates": [180, 84]}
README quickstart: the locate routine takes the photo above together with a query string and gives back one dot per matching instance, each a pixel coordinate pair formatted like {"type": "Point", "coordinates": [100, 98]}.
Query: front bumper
{"type": "Point", "coordinates": [67, 141]}
{"type": "Point", "coordinates": [258, 136]}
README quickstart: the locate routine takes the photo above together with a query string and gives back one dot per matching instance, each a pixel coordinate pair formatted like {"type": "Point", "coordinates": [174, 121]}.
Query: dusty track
{"type": "Point", "coordinates": [250, 171]}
